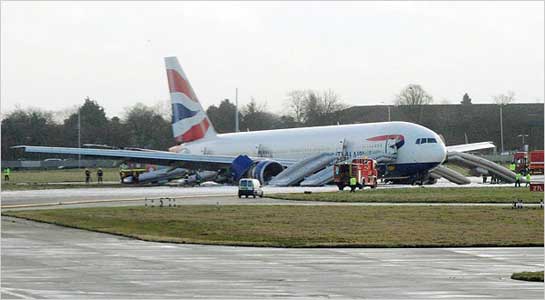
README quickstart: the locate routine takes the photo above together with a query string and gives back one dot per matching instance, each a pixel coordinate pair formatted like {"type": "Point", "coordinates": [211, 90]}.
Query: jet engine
{"type": "Point", "coordinates": [262, 170]}
{"type": "Point", "coordinates": [265, 170]}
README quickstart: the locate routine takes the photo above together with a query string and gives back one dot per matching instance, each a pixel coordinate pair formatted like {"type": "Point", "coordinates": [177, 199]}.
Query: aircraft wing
{"type": "Point", "coordinates": [470, 147]}
{"type": "Point", "coordinates": [145, 156]}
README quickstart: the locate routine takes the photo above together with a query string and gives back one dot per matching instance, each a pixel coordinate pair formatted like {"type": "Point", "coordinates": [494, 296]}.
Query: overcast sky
{"type": "Point", "coordinates": [56, 53]}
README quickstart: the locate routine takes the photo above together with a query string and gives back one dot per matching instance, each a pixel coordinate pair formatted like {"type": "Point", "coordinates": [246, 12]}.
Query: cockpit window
{"type": "Point", "coordinates": [426, 140]}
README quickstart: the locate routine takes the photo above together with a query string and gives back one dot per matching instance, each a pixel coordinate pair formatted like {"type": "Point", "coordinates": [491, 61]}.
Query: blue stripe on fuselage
{"type": "Point", "coordinates": [402, 170]}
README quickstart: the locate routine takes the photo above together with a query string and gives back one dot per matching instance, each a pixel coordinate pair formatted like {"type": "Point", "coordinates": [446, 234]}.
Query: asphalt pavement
{"type": "Point", "coordinates": [47, 261]}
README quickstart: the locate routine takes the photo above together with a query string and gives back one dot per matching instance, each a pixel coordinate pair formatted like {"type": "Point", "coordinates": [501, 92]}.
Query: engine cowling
{"type": "Point", "coordinates": [265, 170]}
{"type": "Point", "coordinates": [262, 170]}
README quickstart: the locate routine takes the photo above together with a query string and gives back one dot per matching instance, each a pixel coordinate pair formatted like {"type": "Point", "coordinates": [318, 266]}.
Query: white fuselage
{"type": "Point", "coordinates": [350, 140]}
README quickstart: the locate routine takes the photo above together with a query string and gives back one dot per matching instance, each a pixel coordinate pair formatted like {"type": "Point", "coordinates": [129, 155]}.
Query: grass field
{"type": "Point", "coordinates": [528, 276]}
{"type": "Point", "coordinates": [310, 226]}
{"type": "Point", "coordinates": [431, 195]}
{"type": "Point", "coordinates": [60, 175]}
{"type": "Point", "coordinates": [41, 179]}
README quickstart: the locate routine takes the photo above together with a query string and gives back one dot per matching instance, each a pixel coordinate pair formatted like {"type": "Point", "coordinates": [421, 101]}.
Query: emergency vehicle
{"type": "Point", "coordinates": [363, 169]}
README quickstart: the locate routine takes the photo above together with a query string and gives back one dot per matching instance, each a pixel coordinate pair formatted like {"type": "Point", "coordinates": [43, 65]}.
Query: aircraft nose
{"type": "Point", "coordinates": [441, 153]}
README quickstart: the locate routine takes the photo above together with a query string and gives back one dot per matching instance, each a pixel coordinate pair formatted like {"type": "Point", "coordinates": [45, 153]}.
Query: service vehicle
{"type": "Point", "coordinates": [536, 162]}
{"type": "Point", "coordinates": [363, 169]}
{"type": "Point", "coordinates": [249, 187]}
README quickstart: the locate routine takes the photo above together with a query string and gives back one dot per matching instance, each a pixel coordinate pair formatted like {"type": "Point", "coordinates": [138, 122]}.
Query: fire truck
{"type": "Point", "coordinates": [531, 161]}
{"type": "Point", "coordinates": [364, 170]}
{"type": "Point", "coordinates": [536, 162]}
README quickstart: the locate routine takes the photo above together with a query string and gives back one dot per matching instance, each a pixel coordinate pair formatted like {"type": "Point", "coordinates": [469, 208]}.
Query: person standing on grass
{"type": "Point", "coordinates": [517, 179]}
{"type": "Point", "coordinates": [87, 176]}
{"type": "Point", "coordinates": [528, 179]}
{"type": "Point", "coordinates": [353, 183]}
{"type": "Point", "coordinates": [7, 172]}
{"type": "Point", "coordinates": [99, 175]}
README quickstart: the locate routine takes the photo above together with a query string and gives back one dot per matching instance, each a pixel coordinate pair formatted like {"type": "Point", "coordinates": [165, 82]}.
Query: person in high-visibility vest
{"type": "Point", "coordinates": [512, 167]}
{"type": "Point", "coordinates": [517, 179]}
{"type": "Point", "coordinates": [353, 183]}
{"type": "Point", "coordinates": [7, 171]}
{"type": "Point", "coordinates": [528, 179]}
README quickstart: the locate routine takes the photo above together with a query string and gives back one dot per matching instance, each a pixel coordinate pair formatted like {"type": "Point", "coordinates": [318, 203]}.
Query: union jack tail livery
{"type": "Point", "coordinates": [189, 121]}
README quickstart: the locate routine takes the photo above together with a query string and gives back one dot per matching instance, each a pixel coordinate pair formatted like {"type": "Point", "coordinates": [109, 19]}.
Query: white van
{"type": "Point", "coordinates": [249, 187]}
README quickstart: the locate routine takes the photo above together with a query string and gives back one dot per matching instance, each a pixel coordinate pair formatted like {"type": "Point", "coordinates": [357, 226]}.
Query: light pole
{"type": "Point", "coordinates": [501, 127]}
{"type": "Point", "coordinates": [522, 135]}
{"type": "Point", "coordinates": [79, 136]}
{"type": "Point", "coordinates": [236, 110]}
{"type": "Point", "coordinates": [388, 106]}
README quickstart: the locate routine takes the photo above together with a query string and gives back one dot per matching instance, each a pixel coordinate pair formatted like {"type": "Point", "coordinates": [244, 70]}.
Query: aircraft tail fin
{"type": "Point", "coordinates": [189, 120]}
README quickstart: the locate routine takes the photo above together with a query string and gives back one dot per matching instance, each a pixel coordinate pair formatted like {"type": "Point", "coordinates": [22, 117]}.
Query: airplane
{"type": "Point", "coordinates": [403, 149]}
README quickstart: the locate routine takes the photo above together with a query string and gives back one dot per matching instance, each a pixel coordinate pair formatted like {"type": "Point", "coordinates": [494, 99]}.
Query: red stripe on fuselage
{"type": "Point", "coordinates": [176, 83]}
{"type": "Point", "coordinates": [386, 137]}
{"type": "Point", "coordinates": [195, 132]}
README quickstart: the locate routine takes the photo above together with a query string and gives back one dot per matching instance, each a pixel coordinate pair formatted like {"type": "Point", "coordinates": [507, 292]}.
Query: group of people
{"type": "Point", "coordinates": [518, 177]}
{"type": "Point", "coordinates": [100, 173]}
{"type": "Point", "coordinates": [521, 173]}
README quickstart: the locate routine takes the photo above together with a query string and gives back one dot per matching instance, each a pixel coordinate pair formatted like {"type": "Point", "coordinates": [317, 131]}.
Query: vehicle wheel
{"type": "Point", "coordinates": [341, 187]}
{"type": "Point", "coordinates": [254, 196]}
{"type": "Point", "coordinates": [239, 195]}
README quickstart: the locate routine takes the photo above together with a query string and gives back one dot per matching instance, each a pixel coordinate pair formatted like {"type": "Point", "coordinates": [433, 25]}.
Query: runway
{"type": "Point", "coordinates": [48, 261]}
{"type": "Point", "coordinates": [224, 195]}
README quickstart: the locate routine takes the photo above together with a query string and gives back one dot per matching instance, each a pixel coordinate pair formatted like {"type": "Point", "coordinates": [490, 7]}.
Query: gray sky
{"type": "Point", "coordinates": [56, 53]}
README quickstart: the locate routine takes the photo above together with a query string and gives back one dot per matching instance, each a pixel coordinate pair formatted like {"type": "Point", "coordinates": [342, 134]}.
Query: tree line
{"type": "Point", "coordinates": [148, 127]}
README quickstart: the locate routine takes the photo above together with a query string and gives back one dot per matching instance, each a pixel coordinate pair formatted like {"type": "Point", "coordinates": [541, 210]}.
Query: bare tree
{"type": "Point", "coordinates": [311, 107]}
{"type": "Point", "coordinates": [331, 102]}
{"type": "Point", "coordinates": [413, 94]}
{"type": "Point", "coordinates": [503, 99]}
{"type": "Point", "coordinates": [296, 102]}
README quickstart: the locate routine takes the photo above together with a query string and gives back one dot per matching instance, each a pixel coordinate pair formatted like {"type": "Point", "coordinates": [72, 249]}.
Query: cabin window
{"type": "Point", "coordinates": [432, 141]}
{"type": "Point", "coordinates": [422, 141]}
{"type": "Point", "coordinates": [418, 141]}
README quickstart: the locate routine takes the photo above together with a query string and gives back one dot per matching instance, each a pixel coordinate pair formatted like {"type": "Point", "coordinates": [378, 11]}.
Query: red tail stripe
{"type": "Point", "coordinates": [195, 132]}
{"type": "Point", "coordinates": [177, 83]}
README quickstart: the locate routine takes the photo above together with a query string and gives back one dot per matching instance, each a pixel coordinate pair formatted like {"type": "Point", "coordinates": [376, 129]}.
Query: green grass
{"type": "Point", "coordinates": [40, 179]}
{"type": "Point", "coordinates": [45, 186]}
{"type": "Point", "coordinates": [528, 276]}
{"type": "Point", "coordinates": [310, 226]}
{"type": "Point", "coordinates": [430, 195]}
{"type": "Point", "coordinates": [59, 175]}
